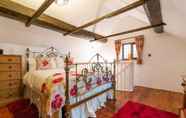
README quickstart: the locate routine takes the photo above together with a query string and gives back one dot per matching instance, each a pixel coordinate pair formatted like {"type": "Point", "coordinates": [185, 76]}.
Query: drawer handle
{"type": "Point", "coordinates": [10, 75]}
{"type": "Point", "coordinates": [10, 95]}
{"type": "Point", "coordinates": [10, 67]}
{"type": "Point", "coordinates": [9, 59]}
{"type": "Point", "coordinates": [10, 84]}
{"type": "Point", "coordinates": [15, 83]}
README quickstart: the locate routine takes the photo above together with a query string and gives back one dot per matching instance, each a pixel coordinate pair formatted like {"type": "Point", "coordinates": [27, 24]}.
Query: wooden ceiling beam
{"type": "Point", "coordinates": [131, 31]}
{"type": "Point", "coordinates": [109, 15]}
{"type": "Point", "coordinates": [21, 13]}
{"type": "Point", "coordinates": [153, 11]}
{"type": "Point", "coordinates": [41, 9]}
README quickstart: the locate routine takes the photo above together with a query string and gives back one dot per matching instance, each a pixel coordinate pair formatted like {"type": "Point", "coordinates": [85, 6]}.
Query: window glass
{"type": "Point", "coordinates": [134, 51]}
{"type": "Point", "coordinates": [126, 51]}
{"type": "Point", "coordinates": [129, 51]}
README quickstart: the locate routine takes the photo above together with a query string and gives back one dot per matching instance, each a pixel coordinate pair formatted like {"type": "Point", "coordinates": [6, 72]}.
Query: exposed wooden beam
{"type": "Point", "coordinates": [109, 15]}
{"type": "Point", "coordinates": [153, 11]}
{"type": "Point", "coordinates": [41, 9]}
{"type": "Point", "coordinates": [21, 13]}
{"type": "Point", "coordinates": [131, 31]}
{"type": "Point", "coordinates": [132, 37]}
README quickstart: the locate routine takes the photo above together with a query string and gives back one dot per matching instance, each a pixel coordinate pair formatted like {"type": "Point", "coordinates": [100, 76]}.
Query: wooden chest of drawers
{"type": "Point", "coordinates": [10, 78]}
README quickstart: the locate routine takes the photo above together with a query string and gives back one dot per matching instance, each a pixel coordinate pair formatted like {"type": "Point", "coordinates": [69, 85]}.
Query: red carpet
{"type": "Point", "coordinates": [136, 110]}
{"type": "Point", "coordinates": [23, 109]}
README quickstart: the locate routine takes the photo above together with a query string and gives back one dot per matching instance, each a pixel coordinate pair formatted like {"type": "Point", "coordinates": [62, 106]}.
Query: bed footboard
{"type": "Point", "coordinates": [88, 76]}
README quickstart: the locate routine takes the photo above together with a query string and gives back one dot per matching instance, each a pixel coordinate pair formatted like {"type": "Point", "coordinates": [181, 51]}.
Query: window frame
{"type": "Point", "coordinates": [132, 51]}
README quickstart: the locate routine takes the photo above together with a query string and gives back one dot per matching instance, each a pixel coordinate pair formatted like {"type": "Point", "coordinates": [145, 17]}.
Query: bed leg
{"type": "Point", "coordinates": [114, 92]}
{"type": "Point", "coordinates": [65, 112]}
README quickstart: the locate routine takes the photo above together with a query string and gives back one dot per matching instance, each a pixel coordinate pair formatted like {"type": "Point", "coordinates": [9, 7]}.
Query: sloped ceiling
{"type": "Point", "coordinates": [78, 12]}
{"type": "Point", "coordinates": [174, 14]}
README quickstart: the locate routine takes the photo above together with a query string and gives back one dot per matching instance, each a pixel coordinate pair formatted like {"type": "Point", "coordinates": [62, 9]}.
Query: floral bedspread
{"type": "Point", "coordinates": [52, 84]}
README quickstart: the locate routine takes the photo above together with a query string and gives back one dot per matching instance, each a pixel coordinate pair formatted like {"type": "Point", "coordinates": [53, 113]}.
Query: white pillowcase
{"type": "Point", "coordinates": [60, 62]}
{"type": "Point", "coordinates": [43, 63]}
{"type": "Point", "coordinates": [57, 62]}
{"type": "Point", "coordinates": [53, 63]}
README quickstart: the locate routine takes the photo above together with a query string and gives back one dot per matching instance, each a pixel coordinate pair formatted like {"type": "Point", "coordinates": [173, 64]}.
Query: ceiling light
{"type": "Point", "coordinates": [62, 2]}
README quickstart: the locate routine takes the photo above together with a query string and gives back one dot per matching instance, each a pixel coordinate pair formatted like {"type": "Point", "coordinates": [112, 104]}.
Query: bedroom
{"type": "Point", "coordinates": [158, 79]}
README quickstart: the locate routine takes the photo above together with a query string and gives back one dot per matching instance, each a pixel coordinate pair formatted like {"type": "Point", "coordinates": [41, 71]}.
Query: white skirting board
{"type": "Point", "coordinates": [125, 76]}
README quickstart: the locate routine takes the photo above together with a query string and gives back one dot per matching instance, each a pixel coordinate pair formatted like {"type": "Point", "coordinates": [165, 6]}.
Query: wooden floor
{"type": "Point", "coordinates": [164, 100]}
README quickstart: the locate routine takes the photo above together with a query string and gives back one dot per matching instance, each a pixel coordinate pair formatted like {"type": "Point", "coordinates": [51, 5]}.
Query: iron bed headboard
{"type": "Point", "coordinates": [49, 52]}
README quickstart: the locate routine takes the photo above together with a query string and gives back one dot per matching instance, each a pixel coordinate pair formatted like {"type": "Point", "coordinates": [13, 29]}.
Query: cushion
{"type": "Point", "coordinates": [44, 63]}
{"type": "Point", "coordinates": [53, 63]}
{"type": "Point", "coordinates": [59, 62]}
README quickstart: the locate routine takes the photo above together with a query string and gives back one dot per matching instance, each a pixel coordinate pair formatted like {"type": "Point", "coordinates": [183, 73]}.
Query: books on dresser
{"type": "Point", "coordinates": [10, 78]}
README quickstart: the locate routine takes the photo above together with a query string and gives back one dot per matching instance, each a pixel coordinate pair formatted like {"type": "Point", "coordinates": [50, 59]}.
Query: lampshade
{"type": "Point", "coordinates": [62, 2]}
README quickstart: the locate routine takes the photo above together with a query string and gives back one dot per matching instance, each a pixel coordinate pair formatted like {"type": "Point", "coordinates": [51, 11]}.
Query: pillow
{"type": "Point", "coordinates": [32, 64]}
{"type": "Point", "coordinates": [53, 63]}
{"type": "Point", "coordinates": [44, 63]}
{"type": "Point", "coordinates": [60, 62]}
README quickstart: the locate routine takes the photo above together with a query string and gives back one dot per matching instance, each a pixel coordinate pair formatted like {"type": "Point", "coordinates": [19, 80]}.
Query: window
{"type": "Point", "coordinates": [129, 51]}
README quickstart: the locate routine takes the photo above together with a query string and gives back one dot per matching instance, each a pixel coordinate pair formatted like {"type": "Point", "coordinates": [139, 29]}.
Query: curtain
{"type": "Point", "coordinates": [139, 46]}
{"type": "Point", "coordinates": [117, 49]}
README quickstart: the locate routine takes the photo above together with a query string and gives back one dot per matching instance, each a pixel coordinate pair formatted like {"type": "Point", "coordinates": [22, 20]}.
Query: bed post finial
{"type": "Point", "coordinates": [52, 48]}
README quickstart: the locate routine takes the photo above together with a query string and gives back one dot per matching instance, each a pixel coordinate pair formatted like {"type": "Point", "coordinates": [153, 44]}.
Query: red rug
{"type": "Point", "coordinates": [136, 110]}
{"type": "Point", "coordinates": [23, 109]}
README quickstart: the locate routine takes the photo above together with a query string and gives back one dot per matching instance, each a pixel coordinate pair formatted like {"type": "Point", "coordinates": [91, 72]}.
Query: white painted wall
{"type": "Point", "coordinates": [162, 70]}
{"type": "Point", "coordinates": [168, 61]}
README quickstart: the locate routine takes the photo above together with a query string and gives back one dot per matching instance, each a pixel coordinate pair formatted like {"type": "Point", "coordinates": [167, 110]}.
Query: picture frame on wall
{"type": "Point", "coordinates": [1, 51]}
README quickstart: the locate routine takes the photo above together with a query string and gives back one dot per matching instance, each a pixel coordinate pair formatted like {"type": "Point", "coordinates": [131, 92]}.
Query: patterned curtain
{"type": "Point", "coordinates": [117, 49]}
{"type": "Point", "coordinates": [139, 46]}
